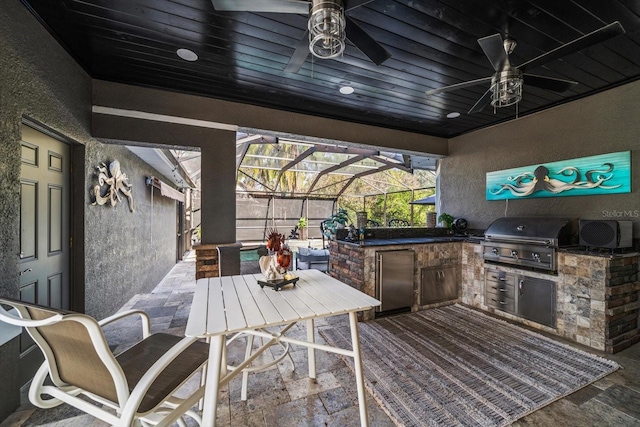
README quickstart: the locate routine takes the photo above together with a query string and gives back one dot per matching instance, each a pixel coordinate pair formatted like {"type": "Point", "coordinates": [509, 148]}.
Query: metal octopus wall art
{"type": "Point", "coordinates": [116, 182]}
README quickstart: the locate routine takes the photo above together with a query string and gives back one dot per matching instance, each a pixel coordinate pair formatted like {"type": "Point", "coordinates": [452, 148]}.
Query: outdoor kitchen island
{"type": "Point", "coordinates": [596, 294]}
{"type": "Point", "coordinates": [436, 263]}
{"type": "Point", "coordinates": [596, 298]}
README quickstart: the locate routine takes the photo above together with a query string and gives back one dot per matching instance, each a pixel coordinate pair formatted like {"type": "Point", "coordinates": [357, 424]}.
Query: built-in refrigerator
{"type": "Point", "coordinates": [394, 279]}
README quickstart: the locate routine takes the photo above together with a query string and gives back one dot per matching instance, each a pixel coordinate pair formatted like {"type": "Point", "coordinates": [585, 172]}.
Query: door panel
{"type": "Point", "coordinates": [55, 162]}
{"type": "Point", "coordinates": [56, 228]}
{"type": "Point", "coordinates": [29, 292]}
{"type": "Point", "coordinates": [29, 153]}
{"type": "Point", "coordinates": [44, 230]}
{"type": "Point", "coordinates": [28, 223]}
{"type": "Point", "coordinates": [54, 286]}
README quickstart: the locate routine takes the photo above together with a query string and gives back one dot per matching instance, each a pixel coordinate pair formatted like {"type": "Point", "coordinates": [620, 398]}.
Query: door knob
{"type": "Point", "coordinates": [23, 272]}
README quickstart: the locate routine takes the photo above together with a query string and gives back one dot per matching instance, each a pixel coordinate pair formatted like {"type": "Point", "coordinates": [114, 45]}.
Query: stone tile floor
{"type": "Point", "coordinates": [282, 396]}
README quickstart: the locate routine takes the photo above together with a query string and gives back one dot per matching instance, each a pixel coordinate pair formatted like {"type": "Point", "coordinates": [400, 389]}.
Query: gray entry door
{"type": "Point", "coordinates": [44, 231]}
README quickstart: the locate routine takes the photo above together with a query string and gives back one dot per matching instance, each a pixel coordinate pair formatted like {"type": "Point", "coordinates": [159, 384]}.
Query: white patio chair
{"type": "Point", "coordinates": [134, 388]}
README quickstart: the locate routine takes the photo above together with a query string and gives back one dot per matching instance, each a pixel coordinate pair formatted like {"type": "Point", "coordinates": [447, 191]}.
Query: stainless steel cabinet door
{"type": "Point", "coordinates": [537, 300]}
{"type": "Point", "coordinates": [394, 279]}
{"type": "Point", "coordinates": [438, 284]}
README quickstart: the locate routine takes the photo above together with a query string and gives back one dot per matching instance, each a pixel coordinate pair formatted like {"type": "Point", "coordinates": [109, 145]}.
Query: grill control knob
{"type": "Point", "coordinates": [495, 251]}
{"type": "Point", "coordinates": [536, 256]}
{"type": "Point", "coordinates": [514, 253]}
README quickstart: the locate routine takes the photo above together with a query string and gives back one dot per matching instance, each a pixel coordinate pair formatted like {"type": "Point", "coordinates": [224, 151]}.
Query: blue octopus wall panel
{"type": "Point", "coordinates": [601, 174]}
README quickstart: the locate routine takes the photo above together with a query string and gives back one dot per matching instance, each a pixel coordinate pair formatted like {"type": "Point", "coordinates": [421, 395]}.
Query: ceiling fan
{"type": "Point", "coordinates": [328, 27]}
{"type": "Point", "coordinates": [508, 80]}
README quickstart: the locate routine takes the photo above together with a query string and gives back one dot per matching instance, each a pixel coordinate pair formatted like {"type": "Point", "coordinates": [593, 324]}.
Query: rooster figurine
{"type": "Point", "coordinates": [275, 265]}
{"type": "Point", "coordinates": [275, 241]}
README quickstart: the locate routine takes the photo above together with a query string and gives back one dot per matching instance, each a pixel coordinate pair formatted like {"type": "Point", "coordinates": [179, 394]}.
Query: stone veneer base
{"type": "Point", "coordinates": [597, 296]}
{"type": "Point", "coordinates": [598, 302]}
{"type": "Point", "coordinates": [356, 266]}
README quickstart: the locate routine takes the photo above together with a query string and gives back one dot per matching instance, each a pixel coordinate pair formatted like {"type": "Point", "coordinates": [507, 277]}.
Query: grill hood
{"type": "Point", "coordinates": [547, 231]}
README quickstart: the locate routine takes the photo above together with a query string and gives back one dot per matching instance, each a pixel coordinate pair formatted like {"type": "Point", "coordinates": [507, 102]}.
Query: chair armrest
{"type": "Point", "coordinates": [144, 317]}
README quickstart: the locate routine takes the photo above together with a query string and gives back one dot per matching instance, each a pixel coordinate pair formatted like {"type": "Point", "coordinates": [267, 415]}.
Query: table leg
{"type": "Point", "coordinates": [357, 359]}
{"type": "Point", "coordinates": [311, 355]}
{"type": "Point", "coordinates": [223, 362]}
{"type": "Point", "coordinates": [245, 373]}
{"type": "Point", "coordinates": [212, 384]}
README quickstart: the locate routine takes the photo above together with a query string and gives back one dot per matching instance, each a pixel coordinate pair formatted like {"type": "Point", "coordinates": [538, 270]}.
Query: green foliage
{"type": "Point", "coordinates": [302, 222]}
{"type": "Point", "coordinates": [397, 207]}
{"type": "Point", "coordinates": [340, 218]}
{"type": "Point", "coordinates": [447, 219]}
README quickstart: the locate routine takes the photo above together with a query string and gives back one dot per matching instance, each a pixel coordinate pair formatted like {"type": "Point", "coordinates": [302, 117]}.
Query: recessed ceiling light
{"type": "Point", "coordinates": [187, 55]}
{"type": "Point", "coordinates": [346, 90]}
{"type": "Point", "coordinates": [453, 115]}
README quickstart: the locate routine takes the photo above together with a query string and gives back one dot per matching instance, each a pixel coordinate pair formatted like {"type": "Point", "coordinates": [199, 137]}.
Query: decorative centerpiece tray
{"type": "Point", "coordinates": [277, 284]}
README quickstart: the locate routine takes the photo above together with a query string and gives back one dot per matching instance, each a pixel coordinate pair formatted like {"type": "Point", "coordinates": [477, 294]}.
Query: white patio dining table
{"type": "Point", "coordinates": [233, 304]}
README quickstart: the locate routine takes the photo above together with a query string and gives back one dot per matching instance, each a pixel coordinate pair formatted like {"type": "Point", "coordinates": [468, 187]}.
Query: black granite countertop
{"type": "Point", "coordinates": [416, 240]}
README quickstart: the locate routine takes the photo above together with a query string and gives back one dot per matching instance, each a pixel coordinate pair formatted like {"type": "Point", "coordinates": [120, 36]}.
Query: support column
{"type": "Point", "coordinates": [218, 189]}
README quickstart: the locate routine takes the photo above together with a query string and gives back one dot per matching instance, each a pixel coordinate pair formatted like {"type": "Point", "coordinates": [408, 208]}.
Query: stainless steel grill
{"type": "Point", "coordinates": [528, 242]}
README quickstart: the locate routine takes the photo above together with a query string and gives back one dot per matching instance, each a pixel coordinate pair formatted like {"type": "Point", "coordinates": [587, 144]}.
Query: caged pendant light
{"type": "Point", "coordinates": [327, 28]}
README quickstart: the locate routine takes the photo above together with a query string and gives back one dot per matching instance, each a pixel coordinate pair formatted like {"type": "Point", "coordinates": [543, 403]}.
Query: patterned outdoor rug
{"type": "Point", "coordinates": [453, 366]}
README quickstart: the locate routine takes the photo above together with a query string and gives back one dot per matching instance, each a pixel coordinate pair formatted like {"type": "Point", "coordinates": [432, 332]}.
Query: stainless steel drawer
{"type": "Point", "coordinates": [501, 288]}
{"type": "Point", "coordinates": [500, 303]}
{"type": "Point", "coordinates": [501, 276]}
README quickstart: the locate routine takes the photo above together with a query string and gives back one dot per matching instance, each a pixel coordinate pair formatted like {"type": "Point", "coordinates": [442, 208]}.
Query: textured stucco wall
{"type": "Point", "coordinates": [39, 80]}
{"type": "Point", "coordinates": [602, 123]}
{"type": "Point", "coordinates": [218, 163]}
{"type": "Point", "coordinates": [126, 252]}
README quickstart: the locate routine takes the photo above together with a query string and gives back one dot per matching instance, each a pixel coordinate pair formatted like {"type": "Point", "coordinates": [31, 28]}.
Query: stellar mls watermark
{"type": "Point", "coordinates": [634, 213]}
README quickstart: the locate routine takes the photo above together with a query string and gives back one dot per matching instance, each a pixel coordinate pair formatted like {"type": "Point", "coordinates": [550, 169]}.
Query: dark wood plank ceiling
{"type": "Point", "coordinates": [433, 44]}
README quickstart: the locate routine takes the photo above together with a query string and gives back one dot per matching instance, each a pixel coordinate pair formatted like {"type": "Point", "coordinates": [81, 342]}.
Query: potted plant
{"type": "Point", "coordinates": [335, 221]}
{"type": "Point", "coordinates": [302, 228]}
{"type": "Point", "coordinates": [446, 219]}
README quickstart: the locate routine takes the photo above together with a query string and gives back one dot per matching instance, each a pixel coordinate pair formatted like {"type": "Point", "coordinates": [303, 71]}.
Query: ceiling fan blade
{"type": "Point", "coordinates": [595, 37]}
{"type": "Point", "coordinates": [493, 47]}
{"type": "Point", "coordinates": [299, 55]}
{"type": "Point", "coordinates": [458, 86]}
{"type": "Point", "coordinates": [548, 83]}
{"type": "Point", "coordinates": [352, 4]}
{"type": "Point", "coordinates": [482, 102]}
{"type": "Point", "coordinates": [275, 6]}
{"type": "Point", "coordinates": [363, 41]}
